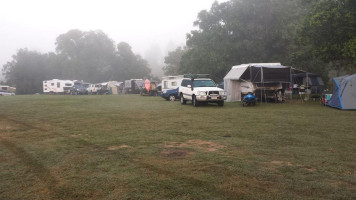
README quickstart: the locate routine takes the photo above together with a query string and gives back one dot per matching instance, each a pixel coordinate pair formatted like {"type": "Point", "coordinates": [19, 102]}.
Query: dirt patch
{"type": "Point", "coordinates": [199, 144]}
{"type": "Point", "coordinates": [281, 163]}
{"type": "Point", "coordinates": [113, 148]}
{"type": "Point", "coordinates": [176, 153]}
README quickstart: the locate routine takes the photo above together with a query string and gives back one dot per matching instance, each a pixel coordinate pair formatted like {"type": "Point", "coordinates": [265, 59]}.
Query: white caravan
{"type": "Point", "coordinates": [56, 86]}
{"type": "Point", "coordinates": [171, 82]}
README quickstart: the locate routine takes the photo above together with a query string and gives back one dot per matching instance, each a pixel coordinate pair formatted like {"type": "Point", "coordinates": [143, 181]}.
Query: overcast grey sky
{"type": "Point", "coordinates": [35, 24]}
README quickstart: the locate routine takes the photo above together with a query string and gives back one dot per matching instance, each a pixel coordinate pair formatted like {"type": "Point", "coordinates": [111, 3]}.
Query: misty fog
{"type": "Point", "coordinates": [151, 27]}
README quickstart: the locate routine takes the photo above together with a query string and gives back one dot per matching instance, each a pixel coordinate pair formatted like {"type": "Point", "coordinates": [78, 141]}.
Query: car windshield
{"type": "Point", "coordinates": [203, 83]}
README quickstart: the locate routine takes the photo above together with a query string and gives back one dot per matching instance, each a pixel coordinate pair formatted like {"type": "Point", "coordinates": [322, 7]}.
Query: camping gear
{"type": "Point", "coordinates": [326, 98]}
{"type": "Point", "coordinates": [313, 83]}
{"type": "Point", "coordinates": [248, 100]}
{"type": "Point", "coordinates": [344, 95]}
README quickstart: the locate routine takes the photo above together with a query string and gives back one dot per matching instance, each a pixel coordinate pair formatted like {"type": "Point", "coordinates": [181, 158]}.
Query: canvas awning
{"type": "Point", "coordinates": [272, 72]}
{"type": "Point", "coordinates": [236, 72]}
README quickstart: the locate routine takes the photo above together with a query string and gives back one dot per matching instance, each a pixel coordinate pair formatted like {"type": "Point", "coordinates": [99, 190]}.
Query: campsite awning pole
{"type": "Point", "coordinates": [307, 87]}
{"type": "Point", "coordinates": [261, 71]}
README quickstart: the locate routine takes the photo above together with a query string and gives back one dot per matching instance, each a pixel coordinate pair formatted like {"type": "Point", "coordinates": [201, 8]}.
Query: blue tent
{"type": "Point", "coordinates": [344, 95]}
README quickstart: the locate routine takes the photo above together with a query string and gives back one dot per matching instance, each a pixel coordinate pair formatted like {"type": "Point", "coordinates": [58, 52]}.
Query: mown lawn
{"type": "Point", "coordinates": [133, 147]}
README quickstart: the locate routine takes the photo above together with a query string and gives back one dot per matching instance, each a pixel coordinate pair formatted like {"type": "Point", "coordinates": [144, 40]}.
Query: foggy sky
{"type": "Point", "coordinates": [35, 24]}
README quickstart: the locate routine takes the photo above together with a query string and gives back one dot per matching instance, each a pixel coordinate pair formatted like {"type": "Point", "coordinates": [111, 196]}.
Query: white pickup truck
{"type": "Point", "coordinates": [201, 90]}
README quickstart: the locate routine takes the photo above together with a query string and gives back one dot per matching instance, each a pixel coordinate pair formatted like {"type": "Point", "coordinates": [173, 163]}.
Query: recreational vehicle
{"type": "Point", "coordinates": [171, 82]}
{"type": "Point", "coordinates": [7, 90]}
{"type": "Point", "coordinates": [56, 86]}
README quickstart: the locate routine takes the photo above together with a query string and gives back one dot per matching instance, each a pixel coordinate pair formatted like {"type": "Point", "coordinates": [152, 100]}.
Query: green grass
{"type": "Point", "coordinates": [133, 147]}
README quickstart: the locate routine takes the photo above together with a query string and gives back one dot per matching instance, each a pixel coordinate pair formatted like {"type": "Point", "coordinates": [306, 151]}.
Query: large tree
{"type": "Point", "coordinates": [26, 71]}
{"type": "Point", "coordinates": [85, 55]}
{"type": "Point", "coordinates": [240, 31]}
{"type": "Point", "coordinates": [127, 65]}
{"type": "Point", "coordinates": [172, 61]}
{"type": "Point", "coordinates": [328, 35]}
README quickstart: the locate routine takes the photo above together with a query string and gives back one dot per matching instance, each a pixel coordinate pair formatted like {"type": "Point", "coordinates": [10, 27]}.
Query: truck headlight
{"type": "Point", "coordinates": [221, 93]}
{"type": "Point", "coordinates": [201, 93]}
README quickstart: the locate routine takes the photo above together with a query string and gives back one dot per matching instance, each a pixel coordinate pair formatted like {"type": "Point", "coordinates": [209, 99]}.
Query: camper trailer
{"type": "Point", "coordinates": [171, 82]}
{"type": "Point", "coordinates": [267, 81]}
{"type": "Point", "coordinates": [56, 86]}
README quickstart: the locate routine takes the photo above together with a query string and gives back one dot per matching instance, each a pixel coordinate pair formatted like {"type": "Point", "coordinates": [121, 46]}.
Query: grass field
{"type": "Point", "coordinates": [133, 147]}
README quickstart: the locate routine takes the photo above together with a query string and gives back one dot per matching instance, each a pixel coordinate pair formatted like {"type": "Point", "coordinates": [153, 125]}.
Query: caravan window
{"type": "Point", "coordinates": [58, 84]}
{"type": "Point", "coordinates": [68, 84]}
{"type": "Point", "coordinates": [165, 84]}
{"type": "Point", "coordinates": [174, 83]}
{"type": "Point", "coordinates": [52, 84]}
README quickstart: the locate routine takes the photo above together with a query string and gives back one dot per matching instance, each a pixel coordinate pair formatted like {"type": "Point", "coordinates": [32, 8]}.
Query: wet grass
{"type": "Point", "coordinates": [133, 147]}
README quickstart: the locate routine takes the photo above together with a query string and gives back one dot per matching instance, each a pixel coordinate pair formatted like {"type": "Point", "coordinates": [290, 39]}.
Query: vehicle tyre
{"type": "Point", "coordinates": [194, 101]}
{"type": "Point", "coordinates": [182, 100]}
{"type": "Point", "coordinates": [172, 97]}
{"type": "Point", "coordinates": [221, 103]}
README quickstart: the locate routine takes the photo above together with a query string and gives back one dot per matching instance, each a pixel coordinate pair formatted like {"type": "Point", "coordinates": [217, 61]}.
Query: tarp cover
{"type": "Point", "coordinates": [344, 95]}
{"type": "Point", "coordinates": [270, 73]}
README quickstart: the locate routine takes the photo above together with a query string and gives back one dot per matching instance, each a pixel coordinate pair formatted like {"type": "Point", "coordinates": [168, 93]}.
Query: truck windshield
{"type": "Point", "coordinates": [203, 83]}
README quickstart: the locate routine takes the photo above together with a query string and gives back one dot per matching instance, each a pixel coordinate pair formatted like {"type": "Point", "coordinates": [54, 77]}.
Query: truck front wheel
{"type": "Point", "coordinates": [182, 100]}
{"type": "Point", "coordinates": [194, 101]}
{"type": "Point", "coordinates": [221, 103]}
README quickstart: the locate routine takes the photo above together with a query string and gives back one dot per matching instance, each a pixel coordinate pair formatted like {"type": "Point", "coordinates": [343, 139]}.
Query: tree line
{"type": "Point", "coordinates": [318, 36]}
{"type": "Point", "coordinates": [79, 55]}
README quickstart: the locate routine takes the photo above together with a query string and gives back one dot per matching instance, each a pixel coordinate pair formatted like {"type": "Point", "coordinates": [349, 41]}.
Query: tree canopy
{"type": "Point", "coordinates": [314, 35]}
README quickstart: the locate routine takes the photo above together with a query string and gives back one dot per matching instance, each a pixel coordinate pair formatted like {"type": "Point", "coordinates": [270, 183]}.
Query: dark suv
{"type": "Point", "coordinates": [78, 89]}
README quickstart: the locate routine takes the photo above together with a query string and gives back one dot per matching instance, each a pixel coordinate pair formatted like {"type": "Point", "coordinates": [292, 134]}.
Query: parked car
{"type": "Point", "coordinates": [104, 89]}
{"type": "Point", "coordinates": [93, 88]}
{"type": "Point", "coordinates": [171, 95]}
{"type": "Point", "coordinates": [198, 89]}
{"type": "Point", "coordinates": [78, 89]}
{"type": "Point", "coordinates": [5, 93]}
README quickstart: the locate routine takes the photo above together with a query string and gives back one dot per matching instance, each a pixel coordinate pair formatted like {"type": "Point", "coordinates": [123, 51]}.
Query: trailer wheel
{"type": "Point", "coordinates": [172, 97]}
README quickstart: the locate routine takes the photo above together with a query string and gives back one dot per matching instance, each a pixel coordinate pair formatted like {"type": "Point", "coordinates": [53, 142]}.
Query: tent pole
{"type": "Point", "coordinates": [291, 84]}
{"type": "Point", "coordinates": [307, 87]}
{"type": "Point", "coordinates": [261, 71]}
